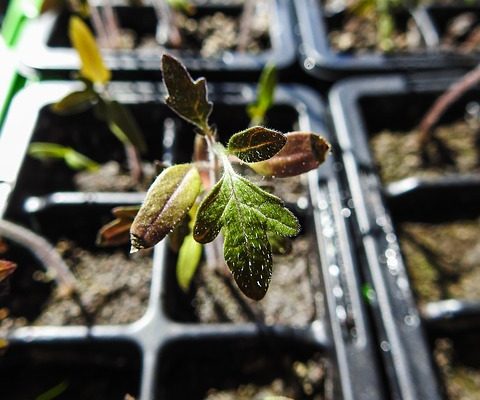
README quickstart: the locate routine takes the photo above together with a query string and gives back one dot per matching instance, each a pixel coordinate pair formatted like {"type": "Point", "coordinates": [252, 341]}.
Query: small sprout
{"type": "Point", "coordinates": [75, 160]}
{"type": "Point", "coordinates": [96, 76]}
{"type": "Point", "coordinates": [265, 95]}
{"type": "Point", "coordinates": [54, 392]}
{"type": "Point", "coordinates": [7, 268]}
{"type": "Point", "coordinates": [254, 222]}
{"type": "Point", "coordinates": [249, 217]}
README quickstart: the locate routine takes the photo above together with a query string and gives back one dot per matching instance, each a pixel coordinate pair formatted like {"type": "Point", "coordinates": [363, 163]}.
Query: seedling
{"type": "Point", "coordinates": [233, 205]}
{"type": "Point", "coordinates": [265, 95]}
{"type": "Point", "coordinates": [74, 159]}
{"type": "Point", "coordinates": [96, 77]}
{"type": "Point", "coordinates": [384, 15]}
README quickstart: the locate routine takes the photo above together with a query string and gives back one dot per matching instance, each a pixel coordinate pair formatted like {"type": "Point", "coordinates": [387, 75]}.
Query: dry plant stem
{"type": "Point", "coordinates": [99, 26]}
{"type": "Point", "coordinates": [454, 92]}
{"type": "Point", "coordinates": [43, 251]}
{"type": "Point", "coordinates": [245, 25]}
{"type": "Point", "coordinates": [134, 162]}
{"type": "Point", "coordinates": [167, 31]}
{"type": "Point", "coordinates": [112, 24]}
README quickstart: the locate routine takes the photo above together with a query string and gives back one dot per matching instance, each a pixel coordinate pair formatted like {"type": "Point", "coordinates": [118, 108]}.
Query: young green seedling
{"type": "Point", "coordinates": [265, 95]}
{"type": "Point", "coordinates": [75, 160]}
{"type": "Point", "coordinates": [384, 15]}
{"type": "Point", "coordinates": [96, 77]}
{"type": "Point", "coordinates": [244, 213]}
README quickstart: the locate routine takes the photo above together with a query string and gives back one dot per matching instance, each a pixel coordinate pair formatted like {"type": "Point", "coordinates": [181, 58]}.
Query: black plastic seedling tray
{"type": "Point", "coordinates": [45, 49]}
{"type": "Point", "coordinates": [166, 354]}
{"type": "Point", "coordinates": [361, 107]}
{"type": "Point", "coordinates": [318, 57]}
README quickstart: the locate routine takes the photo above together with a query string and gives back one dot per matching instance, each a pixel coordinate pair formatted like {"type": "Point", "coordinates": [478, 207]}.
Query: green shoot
{"type": "Point", "coordinates": [265, 95]}
{"type": "Point", "coordinates": [74, 159]}
{"type": "Point", "coordinates": [54, 392]}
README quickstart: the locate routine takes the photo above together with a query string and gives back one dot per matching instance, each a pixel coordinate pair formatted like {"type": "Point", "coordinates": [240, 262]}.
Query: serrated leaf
{"type": "Point", "coordinates": [189, 258]}
{"type": "Point", "coordinates": [188, 98]}
{"type": "Point", "coordinates": [245, 213]}
{"type": "Point", "coordinates": [256, 144]}
{"type": "Point", "coordinates": [303, 152]}
{"type": "Point", "coordinates": [75, 102]}
{"type": "Point", "coordinates": [74, 159]}
{"type": "Point", "coordinates": [123, 125]}
{"type": "Point", "coordinates": [265, 94]}
{"type": "Point", "coordinates": [7, 268]}
{"type": "Point", "coordinates": [168, 199]}
{"type": "Point", "coordinates": [92, 66]}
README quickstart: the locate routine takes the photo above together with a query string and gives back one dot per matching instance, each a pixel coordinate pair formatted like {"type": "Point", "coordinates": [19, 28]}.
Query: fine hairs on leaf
{"type": "Point", "coordinates": [228, 203]}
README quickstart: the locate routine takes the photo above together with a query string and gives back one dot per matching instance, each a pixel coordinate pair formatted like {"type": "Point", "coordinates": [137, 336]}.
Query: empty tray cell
{"type": "Point", "coordinates": [242, 369]}
{"type": "Point", "coordinates": [96, 371]}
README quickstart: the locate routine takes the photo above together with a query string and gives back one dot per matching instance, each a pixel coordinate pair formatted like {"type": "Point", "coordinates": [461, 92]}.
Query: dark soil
{"type": "Point", "coordinates": [443, 260]}
{"type": "Point", "coordinates": [455, 149]}
{"type": "Point", "coordinates": [459, 362]}
{"type": "Point", "coordinates": [309, 376]}
{"type": "Point", "coordinates": [114, 289]}
{"type": "Point", "coordinates": [243, 369]}
{"type": "Point", "coordinates": [105, 371]}
{"type": "Point", "coordinates": [355, 33]}
{"type": "Point", "coordinates": [293, 298]}
{"type": "Point", "coordinates": [111, 177]}
{"type": "Point", "coordinates": [462, 34]}
{"type": "Point", "coordinates": [214, 34]}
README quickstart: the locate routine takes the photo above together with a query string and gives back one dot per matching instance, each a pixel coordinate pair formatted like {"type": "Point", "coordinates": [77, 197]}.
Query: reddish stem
{"type": "Point", "coordinates": [453, 93]}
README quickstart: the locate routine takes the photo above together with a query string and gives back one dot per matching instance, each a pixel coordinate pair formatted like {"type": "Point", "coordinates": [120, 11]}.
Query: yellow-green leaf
{"type": "Point", "coordinates": [75, 102]}
{"type": "Point", "coordinates": [92, 65]}
{"type": "Point", "coordinates": [188, 259]}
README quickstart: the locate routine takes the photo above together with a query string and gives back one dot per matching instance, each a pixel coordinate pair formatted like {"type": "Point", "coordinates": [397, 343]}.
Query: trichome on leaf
{"type": "Point", "coordinates": [246, 214]}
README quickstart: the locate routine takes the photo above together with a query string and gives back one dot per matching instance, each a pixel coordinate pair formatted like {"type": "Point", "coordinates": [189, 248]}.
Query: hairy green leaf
{"type": "Point", "coordinates": [188, 259]}
{"type": "Point", "coordinates": [256, 144]}
{"type": "Point", "coordinates": [168, 199]}
{"type": "Point", "coordinates": [265, 95]}
{"type": "Point", "coordinates": [75, 102]}
{"type": "Point", "coordinates": [188, 98]}
{"type": "Point", "coordinates": [303, 152]}
{"type": "Point", "coordinates": [74, 159]}
{"type": "Point", "coordinates": [92, 66]}
{"type": "Point", "coordinates": [245, 213]}
{"type": "Point", "coordinates": [123, 125]}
